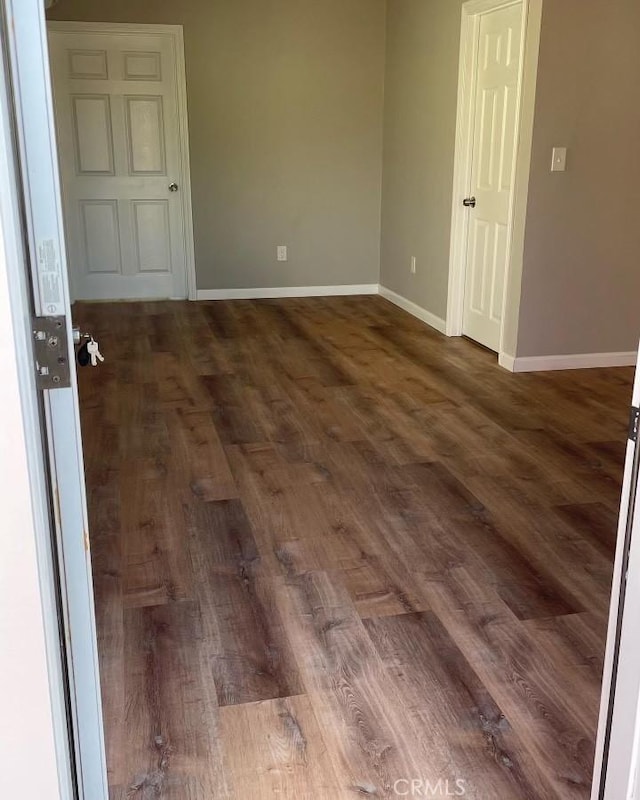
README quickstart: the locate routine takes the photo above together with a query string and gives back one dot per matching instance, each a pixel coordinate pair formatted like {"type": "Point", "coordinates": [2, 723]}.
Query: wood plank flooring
{"type": "Point", "coordinates": [335, 552]}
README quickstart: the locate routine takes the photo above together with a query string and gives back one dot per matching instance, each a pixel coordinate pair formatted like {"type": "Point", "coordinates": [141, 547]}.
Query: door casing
{"type": "Point", "coordinates": [44, 241]}
{"type": "Point", "coordinates": [174, 32]}
{"type": "Point", "coordinates": [37, 756]}
{"type": "Point", "coordinates": [531, 24]}
{"type": "Point", "coordinates": [617, 753]}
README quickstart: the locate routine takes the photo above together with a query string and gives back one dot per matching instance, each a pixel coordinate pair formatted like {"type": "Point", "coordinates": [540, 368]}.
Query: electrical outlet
{"type": "Point", "coordinates": [282, 252]}
{"type": "Point", "coordinates": [413, 265]}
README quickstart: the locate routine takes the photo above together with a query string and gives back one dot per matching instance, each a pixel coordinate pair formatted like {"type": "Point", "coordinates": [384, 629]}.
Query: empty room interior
{"type": "Point", "coordinates": [363, 276]}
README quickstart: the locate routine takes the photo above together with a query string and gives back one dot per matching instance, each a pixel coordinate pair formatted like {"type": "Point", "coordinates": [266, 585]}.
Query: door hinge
{"type": "Point", "coordinates": [634, 423]}
{"type": "Point", "coordinates": [51, 352]}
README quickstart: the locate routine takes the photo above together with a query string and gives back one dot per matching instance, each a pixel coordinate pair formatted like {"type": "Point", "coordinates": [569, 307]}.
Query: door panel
{"type": "Point", "coordinates": [145, 136]}
{"type": "Point", "coordinates": [92, 134]}
{"type": "Point", "coordinates": [119, 149]}
{"type": "Point", "coordinates": [494, 145]}
{"type": "Point", "coordinates": [88, 64]}
{"type": "Point", "coordinates": [101, 234]}
{"type": "Point", "coordinates": [143, 66]}
{"type": "Point", "coordinates": [152, 235]}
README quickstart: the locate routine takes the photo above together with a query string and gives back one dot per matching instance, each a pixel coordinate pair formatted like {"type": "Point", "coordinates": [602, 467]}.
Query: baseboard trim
{"type": "Point", "coordinates": [326, 291]}
{"type": "Point", "coordinates": [413, 308]}
{"type": "Point", "coordinates": [506, 361]}
{"type": "Point", "coordinates": [577, 361]}
{"type": "Point", "coordinates": [286, 291]}
{"type": "Point", "coordinates": [510, 363]}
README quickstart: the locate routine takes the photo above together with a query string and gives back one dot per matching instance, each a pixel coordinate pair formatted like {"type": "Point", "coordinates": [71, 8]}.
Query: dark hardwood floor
{"type": "Point", "coordinates": [334, 550]}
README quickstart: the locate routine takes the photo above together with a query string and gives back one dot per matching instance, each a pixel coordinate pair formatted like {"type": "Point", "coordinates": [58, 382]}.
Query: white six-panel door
{"type": "Point", "coordinates": [120, 150]}
{"type": "Point", "coordinates": [497, 77]}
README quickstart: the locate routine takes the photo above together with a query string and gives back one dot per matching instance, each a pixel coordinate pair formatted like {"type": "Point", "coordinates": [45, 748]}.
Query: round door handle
{"type": "Point", "coordinates": [173, 187]}
{"type": "Point", "coordinates": [469, 202]}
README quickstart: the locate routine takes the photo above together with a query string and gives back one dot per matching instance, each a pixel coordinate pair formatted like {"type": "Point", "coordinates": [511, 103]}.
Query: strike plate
{"type": "Point", "coordinates": [51, 352]}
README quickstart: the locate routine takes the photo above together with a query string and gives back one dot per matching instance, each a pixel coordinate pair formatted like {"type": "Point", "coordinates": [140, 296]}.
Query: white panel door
{"type": "Point", "coordinates": [119, 145]}
{"type": "Point", "coordinates": [497, 78]}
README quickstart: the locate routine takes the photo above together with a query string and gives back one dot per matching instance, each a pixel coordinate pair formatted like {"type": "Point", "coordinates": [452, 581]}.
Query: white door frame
{"type": "Point", "coordinates": [618, 742]}
{"type": "Point", "coordinates": [175, 34]}
{"type": "Point", "coordinates": [44, 239]}
{"type": "Point", "coordinates": [36, 757]}
{"type": "Point", "coordinates": [531, 23]}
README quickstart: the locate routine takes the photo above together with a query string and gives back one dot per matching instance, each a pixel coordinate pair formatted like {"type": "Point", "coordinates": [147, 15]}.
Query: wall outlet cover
{"type": "Point", "coordinates": [559, 159]}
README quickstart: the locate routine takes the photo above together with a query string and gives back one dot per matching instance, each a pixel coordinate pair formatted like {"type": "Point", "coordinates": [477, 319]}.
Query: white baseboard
{"type": "Point", "coordinates": [577, 361]}
{"type": "Point", "coordinates": [523, 364]}
{"type": "Point", "coordinates": [326, 291]}
{"type": "Point", "coordinates": [506, 361]}
{"type": "Point", "coordinates": [287, 291]}
{"type": "Point", "coordinates": [413, 309]}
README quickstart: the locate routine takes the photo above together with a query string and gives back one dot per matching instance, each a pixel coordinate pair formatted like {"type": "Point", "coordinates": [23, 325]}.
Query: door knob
{"type": "Point", "coordinates": [469, 202]}
{"type": "Point", "coordinates": [79, 335]}
{"type": "Point", "coordinates": [173, 187]}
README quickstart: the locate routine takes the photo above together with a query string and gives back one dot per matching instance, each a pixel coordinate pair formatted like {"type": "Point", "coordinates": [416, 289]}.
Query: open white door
{"type": "Point", "coordinates": [618, 745]}
{"type": "Point", "coordinates": [494, 137]}
{"type": "Point", "coordinates": [34, 123]}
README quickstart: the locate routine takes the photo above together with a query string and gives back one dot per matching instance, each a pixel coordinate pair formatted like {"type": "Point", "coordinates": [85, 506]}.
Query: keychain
{"type": "Point", "coordinates": [89, 352]}
{"type": "Point", "coordinates": [94, 352]}
{"type": "Point", "coordinates": [83, 356]}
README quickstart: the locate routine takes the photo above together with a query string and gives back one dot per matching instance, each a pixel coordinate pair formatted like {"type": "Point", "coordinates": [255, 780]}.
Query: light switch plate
{"type": "Point", "coordinates": [559, 159]}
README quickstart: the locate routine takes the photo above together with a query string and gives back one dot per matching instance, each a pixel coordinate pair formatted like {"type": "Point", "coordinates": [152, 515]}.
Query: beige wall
{"type": "Point", "coordinates": [286, 106]}
{"type": "Point", "coordinates": [285, 115]}
{"type": "Point", "coordinates": [423, 42]}
{"type": "Point", "coordinates": [581, 276]}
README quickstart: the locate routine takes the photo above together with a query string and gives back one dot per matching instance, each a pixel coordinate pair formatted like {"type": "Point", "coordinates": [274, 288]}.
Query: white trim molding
{"type": "Point", "coordinates": [576, 361]}
{"type": "Point", "coordinates": [33, 691]}
{"type": "Point", "coordinates": [531, 19]}
{"type": "Point", "coordinates": [413, 308]}
{"type": "Point", "coordinates": [286, 291]}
